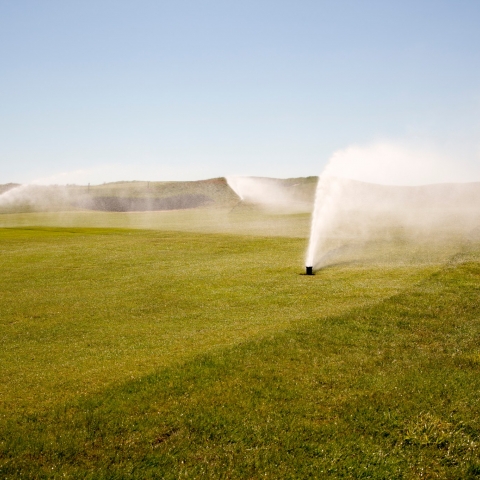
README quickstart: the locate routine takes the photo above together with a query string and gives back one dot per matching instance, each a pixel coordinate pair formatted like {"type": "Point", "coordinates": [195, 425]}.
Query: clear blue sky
{"type": "Point", "coordinates": [168, 90]}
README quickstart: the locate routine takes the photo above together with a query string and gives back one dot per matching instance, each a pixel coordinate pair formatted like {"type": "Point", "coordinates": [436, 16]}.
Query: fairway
{"type": "Point", "coordinates": [176, 354]}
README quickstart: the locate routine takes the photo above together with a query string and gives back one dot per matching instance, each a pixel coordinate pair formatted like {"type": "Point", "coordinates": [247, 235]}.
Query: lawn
{"type": "Point", "coordinates": [130, 353]}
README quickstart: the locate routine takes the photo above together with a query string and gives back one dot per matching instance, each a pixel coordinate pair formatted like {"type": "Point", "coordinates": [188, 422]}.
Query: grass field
{"type": "Point", "coordinates": [242, 220]}
{"type": "Point", "coordinates": [205, 352]}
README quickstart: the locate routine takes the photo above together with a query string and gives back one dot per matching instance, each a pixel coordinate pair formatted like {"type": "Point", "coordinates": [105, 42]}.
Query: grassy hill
{"type": "Point", "coordinates": [139, 196]}
{"type": "Point", "coordinates": [118, 196]}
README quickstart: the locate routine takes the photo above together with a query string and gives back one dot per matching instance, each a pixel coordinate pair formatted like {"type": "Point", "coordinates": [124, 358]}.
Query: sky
{"type": "Point", "coordinates": [99, 91]}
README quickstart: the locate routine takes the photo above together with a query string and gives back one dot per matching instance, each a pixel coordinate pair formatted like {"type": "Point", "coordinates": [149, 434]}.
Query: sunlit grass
{"type": "Point", "coordinates": [139, 353]}
{"type": "Point", "coordinates": [105, 305]}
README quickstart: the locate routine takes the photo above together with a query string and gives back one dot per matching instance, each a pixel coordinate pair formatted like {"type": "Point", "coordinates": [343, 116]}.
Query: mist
{"type": "Point", "coordinates": [115, 197]}
{"type": "Point", "coordinates": [32, 197]}
{"type": "Point", "coordinates": [271, 194]}
{"type": "Point", "coordinates": [391, 192]}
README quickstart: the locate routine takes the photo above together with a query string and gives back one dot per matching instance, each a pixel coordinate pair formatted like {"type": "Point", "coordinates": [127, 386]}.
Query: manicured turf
{"type": "Point", "coordinates": [132, 353]}
{"type": "Point", "coordinates": [242, 220]}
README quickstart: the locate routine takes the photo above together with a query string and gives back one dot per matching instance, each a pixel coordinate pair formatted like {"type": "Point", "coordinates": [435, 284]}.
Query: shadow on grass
{"type": "Point", "coordinates": [379, 392]}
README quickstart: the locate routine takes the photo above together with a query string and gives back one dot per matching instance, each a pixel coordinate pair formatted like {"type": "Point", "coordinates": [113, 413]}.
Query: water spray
{"type": "Point", "coordinates": [325, 212]}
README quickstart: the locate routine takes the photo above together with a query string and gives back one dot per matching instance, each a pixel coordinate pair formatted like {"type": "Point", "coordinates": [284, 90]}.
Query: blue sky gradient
{"type": "Point", "coordinates": [94, 91]}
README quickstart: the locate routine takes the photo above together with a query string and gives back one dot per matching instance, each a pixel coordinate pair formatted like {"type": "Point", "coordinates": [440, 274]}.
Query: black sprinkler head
{"type": "Point", "coordinates": [309, 270]}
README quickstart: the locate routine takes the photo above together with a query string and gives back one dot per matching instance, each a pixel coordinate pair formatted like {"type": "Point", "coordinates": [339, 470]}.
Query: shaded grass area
{"type": "Point", "coordinates": [240, 370]}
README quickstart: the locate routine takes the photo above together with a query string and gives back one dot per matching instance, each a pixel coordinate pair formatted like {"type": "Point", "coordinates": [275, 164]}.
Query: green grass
{"type": "Point", "coordinates": [242, 220]}
{"type": "Point", "coordinates": [157, 354]}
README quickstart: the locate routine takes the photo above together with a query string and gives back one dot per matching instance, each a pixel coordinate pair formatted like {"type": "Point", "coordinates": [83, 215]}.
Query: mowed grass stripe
{"type": "Point", "coordinates": [383, 391]}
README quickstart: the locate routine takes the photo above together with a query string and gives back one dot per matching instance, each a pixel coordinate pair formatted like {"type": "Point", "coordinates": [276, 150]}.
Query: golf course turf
{"type": "Point", "coordinates": [165, 354]}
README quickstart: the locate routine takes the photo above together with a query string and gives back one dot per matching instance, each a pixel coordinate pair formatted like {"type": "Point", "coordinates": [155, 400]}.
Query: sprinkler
{"type": "Point", "coordinates": [309, 270]}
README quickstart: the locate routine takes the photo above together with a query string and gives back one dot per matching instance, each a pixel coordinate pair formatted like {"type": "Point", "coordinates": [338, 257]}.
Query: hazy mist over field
{"type": "Point", "coordinates": [388, 191]}
{"type": "Point", "coordinates": [252, 92]}
{"type": "Point", "coordinates": [353, 220]}
{"type": "Point", "coordinates": [272, 194]}
{"type": "Point", "coordinates": [199, 206]}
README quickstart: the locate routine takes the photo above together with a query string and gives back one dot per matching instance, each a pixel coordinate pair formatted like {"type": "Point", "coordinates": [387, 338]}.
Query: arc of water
{"type": "Point", "coordinates": [327, 199]}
